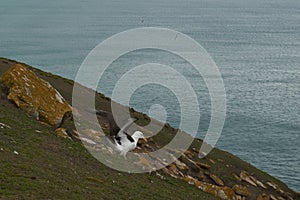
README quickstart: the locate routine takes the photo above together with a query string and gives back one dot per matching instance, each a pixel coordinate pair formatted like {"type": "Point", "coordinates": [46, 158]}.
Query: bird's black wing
{"type": "Point", "coordinates": [122, 134]}
{"type": "Point", "coordinates": [115, 131]}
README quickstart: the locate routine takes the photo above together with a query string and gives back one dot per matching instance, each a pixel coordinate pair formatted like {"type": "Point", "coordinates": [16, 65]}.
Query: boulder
{"type": "Point", "coordinates": [236, 177]}
{"type": "Point", "coordinates": [217, 180]}
{"type": "Point", "coordinates": [241, 190]}
{"type": "Point", "coordinates": [34, 95]}
{"type": "Point", "coordinates": [257, 182]}
{"type": "Point", "coordinates": [203, 165]}
{"type": "Point", "coordinates": [220, 192]}
{"type": "Point", "coordinates": [174, 170]}
{"type": "Point", "coordinates": [61, 132]}
{"type": "Point", "coordinates": [181, 165]}
{"type": "Point", "coordinates": [272, 197]}
{"type": "Point", "coordinates": [263, 197]}
{"type": "Point", "coordinates": [245, 177]}
{"type": "Point", "coordinates": [273, 185]}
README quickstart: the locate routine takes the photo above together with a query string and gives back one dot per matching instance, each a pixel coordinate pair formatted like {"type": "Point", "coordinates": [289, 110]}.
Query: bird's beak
{"type": "Point", "coordinates": [145, 139]}
{"type": "Point", "coordinates": [142, 140]}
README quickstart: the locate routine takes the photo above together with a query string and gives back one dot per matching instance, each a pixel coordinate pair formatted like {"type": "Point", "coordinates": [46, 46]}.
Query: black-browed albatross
{"type": "Point", "coordinates": [121, 140]}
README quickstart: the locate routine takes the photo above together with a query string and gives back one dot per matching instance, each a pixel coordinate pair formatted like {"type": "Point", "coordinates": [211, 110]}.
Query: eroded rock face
{"type": "Point", "coordinates": [34, 95]}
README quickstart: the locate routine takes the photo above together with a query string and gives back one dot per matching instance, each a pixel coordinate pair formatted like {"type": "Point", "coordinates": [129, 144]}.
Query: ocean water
{"type": "Point", "coordinates": [256, 46]}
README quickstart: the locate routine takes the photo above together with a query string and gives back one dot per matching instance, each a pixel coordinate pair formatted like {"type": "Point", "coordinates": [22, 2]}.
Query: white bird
{"type": "Point", "coordinates": [125, 142]}
{"type": "Point", "coordinates": [121, 140]}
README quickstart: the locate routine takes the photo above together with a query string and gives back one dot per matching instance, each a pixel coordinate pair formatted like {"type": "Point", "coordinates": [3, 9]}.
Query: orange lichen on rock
{"type": "Point", "coordinates": [34, 95]}
{"type": "Point", "coordinates": [220, 192]}
{"type": "Point", "coordinates": [61, 132]}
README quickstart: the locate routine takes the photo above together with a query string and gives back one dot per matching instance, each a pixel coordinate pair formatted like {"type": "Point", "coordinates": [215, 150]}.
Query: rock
{"type": "Point", "coordinates": [34, 95]}
{"type": "Point", "coordinates": [257, 182]}
{"type": "Point", "coordinates": [189, 179]}
{"type": "Point", "coordinates": [189, 162]}
{"type": "Point", "coordinates": [87, 141]}
{"type": "Point", "coordinates": [216, 179]}
{"type": "Point", "coordinates": [94, 135]}
{"type": "Point", "coordinates": [15, 152]}
{"type": "Point", "coordinates": [181, 165]}
{"type": "Point", "coordinates": [2, 125]}
{"type": "Point", "coordinates": [263, 197]}
{"type": "Point", "coordinates": [241, 190]}
{"type": "Point", "coordinates": [273, 185]}
{"type": "Point", "coordinates": [245, 177]}
{"type": "Point", "coordinates": [220, 192]}
{"type": "Point", "coordinates": [202, 165]}
{"type": "Point", "coordinates": [165, 170]}
{"type": "Point", "coordinates": [239, 197]}
{"type": "Point", "coordinates": [277, 188]}
{"type": "Point", "coordinates": [61, 132]}
{"type": "Point", "coordinates": [200, 176]}
{"type": "Point", "coordinates": [174, 170]}
{"type": "Point", "coordinates": [189, 154]}
{"type": "Point", "coordinates": [236, 177]}
{"type": "Point", "coordinates": [226, 193]}
{"type": "Point", "coordinates": [160, 176]}
{"type": "Point", "coordinates": [211, 161]}
{"type": "Point", "coordinates": [195, 150]}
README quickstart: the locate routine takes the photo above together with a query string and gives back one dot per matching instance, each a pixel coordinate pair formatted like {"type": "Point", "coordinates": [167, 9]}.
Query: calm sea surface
{"type": "Point", "coordinates": [256, 46]}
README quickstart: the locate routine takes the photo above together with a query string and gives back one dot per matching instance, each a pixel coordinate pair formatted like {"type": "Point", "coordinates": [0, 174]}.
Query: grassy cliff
{"type": "Point", "coordinates": [37, 164]}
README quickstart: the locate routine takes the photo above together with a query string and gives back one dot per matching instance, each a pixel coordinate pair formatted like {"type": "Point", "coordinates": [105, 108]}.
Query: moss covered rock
{"type": "Point", "coordinates": [34, 95]}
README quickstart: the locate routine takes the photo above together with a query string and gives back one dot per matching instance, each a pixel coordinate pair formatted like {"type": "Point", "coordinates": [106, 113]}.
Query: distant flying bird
{"type": "Point", "coordinates": [121, 140]}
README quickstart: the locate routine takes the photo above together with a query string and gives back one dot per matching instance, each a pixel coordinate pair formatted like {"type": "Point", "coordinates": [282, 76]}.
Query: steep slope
{"type": "Point", "coordinates": [37, 164]}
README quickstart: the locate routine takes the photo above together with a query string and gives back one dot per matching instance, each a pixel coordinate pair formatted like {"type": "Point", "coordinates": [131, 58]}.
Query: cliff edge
{"type": "Point", "coordinates": [42, 155]}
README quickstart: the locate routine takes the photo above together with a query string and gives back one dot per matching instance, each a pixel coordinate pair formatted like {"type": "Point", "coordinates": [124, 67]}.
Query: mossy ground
{"type": "Point", "coordinates": [50, 167]}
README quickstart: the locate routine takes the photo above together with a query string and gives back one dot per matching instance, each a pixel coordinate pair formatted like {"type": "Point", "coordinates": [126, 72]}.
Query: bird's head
{"type": "Point", "coordinates": [138, 134]}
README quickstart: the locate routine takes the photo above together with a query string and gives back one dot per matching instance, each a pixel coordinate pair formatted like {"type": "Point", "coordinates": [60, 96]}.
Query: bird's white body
{"type": "Point", "coordinates": [123, 145]}
{"type": "Point", "coordinates": [119, 139]}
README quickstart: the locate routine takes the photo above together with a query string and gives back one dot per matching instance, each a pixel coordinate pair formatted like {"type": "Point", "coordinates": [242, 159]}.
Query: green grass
{"type": "Point", "coordinates": [49, 167]}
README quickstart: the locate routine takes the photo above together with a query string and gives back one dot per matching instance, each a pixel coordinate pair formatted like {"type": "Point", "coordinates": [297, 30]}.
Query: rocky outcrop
{"type": "Point", "coordinates": [241, 190]}
{"type": "Point", "coordinates": [218, 174]}
{"type": "Point", "coordinates": [34, 95]}
{"type": "Point", "coordinates": [61, 132]}
{"type": "Point", "coordinates": [220, 192]}
{"type": "Point", "coordinates": [217, 180]}
{"type": "Point", "coordinates": [245, 177]}
{"type": "Point", "coordinates": [200, 174]}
